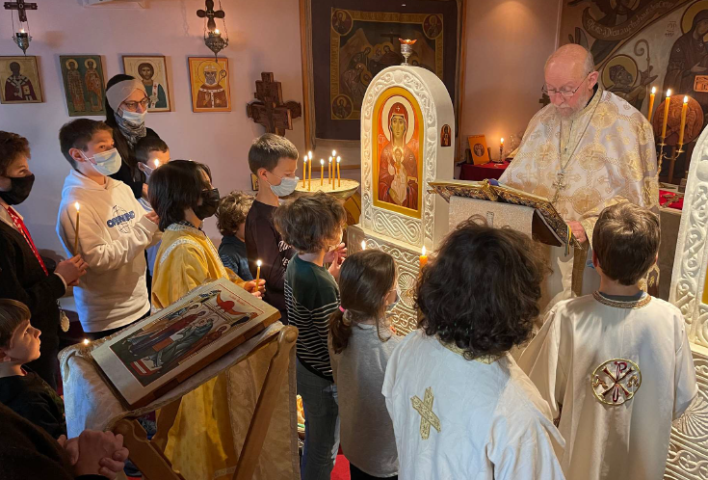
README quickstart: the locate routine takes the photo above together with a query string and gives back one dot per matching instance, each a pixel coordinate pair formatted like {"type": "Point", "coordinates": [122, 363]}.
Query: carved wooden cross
{"type": "Point", "coordinates": [211, 14]}
{"type": "Point", "coordinates": [269, 109]}
{"type": "Point", "coordinates": [21, 8]}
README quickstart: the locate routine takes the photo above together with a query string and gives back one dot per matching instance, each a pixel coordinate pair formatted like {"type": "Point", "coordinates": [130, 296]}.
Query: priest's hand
{"type": "Point", "coordinates": [578, 231]}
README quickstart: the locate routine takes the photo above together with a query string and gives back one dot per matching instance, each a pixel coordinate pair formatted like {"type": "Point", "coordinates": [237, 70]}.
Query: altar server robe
{"type": "Point", "coordinates": [480, 420]}
{"type": "Point", "coordinates": [625, 438]}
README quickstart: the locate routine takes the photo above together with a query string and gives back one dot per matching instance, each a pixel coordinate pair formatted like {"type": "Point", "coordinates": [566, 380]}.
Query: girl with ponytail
{"type": "Point", "coordinates": [360, 344]}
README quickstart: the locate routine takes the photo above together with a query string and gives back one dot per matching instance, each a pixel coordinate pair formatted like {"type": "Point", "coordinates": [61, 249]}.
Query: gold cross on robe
{"type": "Point", "coordinates": [425, 409]}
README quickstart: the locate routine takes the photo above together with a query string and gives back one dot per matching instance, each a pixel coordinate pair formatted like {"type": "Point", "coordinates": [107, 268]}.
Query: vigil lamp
{"type": "Point", "coordinates": [213, 38]}
{"type": "Point", "coordinates": [22, 39]}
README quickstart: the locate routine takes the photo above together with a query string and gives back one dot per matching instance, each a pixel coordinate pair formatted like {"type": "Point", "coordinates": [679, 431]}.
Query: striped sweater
{"type": "Point", "coordinates": [311, 295]}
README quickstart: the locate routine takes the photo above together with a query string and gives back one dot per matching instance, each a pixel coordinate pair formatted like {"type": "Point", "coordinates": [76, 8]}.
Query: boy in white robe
{"type": "Point", "coordinates": [615, 366]}
{"type": "Point", "coordinates": [461, 407]}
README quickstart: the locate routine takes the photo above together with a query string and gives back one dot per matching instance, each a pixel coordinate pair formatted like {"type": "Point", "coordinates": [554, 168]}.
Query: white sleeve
{"type": "Point", "coordinates": [102, 255]}
{"type": "Point", "coordinates": [540, 361]}
{"type": "Point", "coordinates": [685, 387]}
{"type": "Point", "coordinates": [528, 452]}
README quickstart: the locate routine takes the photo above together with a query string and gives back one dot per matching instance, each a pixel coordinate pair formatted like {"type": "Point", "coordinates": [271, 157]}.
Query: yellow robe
{"type": "Point", "coordinates": [200, 444]}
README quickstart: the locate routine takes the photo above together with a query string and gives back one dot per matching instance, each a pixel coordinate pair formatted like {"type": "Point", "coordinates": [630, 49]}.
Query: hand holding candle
{"type": "Point", "coordinates": [666, 115]}
{"type": "Point", "coordinates": [258, 272]}
{"type": "Point", "coordinates": [423, 258]}
{"type": "Point", "coordinates": [684, 108]}
{"type": "Point", "coordinates": [76, 237]}
{"type": "Point", "coordinates": [651, 104]}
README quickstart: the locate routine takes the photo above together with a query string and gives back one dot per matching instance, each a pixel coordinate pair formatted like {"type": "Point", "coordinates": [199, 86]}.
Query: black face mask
{"type": "Point", "coordinates": [20, 188]}
{"type": "Point", "coordinates": [210, 202]}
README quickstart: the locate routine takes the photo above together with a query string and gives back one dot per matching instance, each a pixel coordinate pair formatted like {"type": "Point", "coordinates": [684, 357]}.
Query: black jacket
{"type": "Point", "coordinates": [131, 176]}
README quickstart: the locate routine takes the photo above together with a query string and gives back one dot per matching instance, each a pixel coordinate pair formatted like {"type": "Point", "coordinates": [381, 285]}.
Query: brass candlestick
{"type": "Point", "coordinates": [672, 157]}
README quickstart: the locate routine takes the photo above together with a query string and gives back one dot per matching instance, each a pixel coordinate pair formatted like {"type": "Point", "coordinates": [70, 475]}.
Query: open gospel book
{"type": "Point", "coordinates": [549, 227]}
{"type": "Point", "coordinates": [154, 355]}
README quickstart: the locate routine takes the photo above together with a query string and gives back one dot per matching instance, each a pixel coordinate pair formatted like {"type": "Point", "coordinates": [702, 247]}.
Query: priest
{"type": "Point", "coordinates": [585, 151]}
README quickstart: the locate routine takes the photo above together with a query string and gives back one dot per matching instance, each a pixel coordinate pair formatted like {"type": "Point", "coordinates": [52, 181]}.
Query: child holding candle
{"type": "Point", "coordinates": [23, 274]}
{"type": "Point", "coordinates": [273, 160]}
{"type": "Point", "coordinates": [360, 344]}
{"type": "Point", "coordinates": [314, 225]}
{"type": "Point", "coordinates": [115, 230]}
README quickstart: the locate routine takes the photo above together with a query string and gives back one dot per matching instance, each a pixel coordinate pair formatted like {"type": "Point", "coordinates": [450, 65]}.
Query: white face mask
{"type": "Point", "coordinates": [134, 118]}
{"type": "Point", "coordinates": [286, 187]}
{"type": "Point", "coordinates": [106, 163]}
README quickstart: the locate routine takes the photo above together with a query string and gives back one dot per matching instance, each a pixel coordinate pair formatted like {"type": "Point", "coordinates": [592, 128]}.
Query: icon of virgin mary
{"type": "Point", "coordinates": [398, 165]}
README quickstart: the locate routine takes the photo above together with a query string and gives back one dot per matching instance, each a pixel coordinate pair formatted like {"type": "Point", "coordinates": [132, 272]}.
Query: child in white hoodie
{"type": "Point", "coordinates": [114, 230]}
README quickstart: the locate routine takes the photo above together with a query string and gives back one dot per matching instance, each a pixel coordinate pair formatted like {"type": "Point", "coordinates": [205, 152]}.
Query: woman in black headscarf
{"type": "Point", "coordinates": [126, 107]}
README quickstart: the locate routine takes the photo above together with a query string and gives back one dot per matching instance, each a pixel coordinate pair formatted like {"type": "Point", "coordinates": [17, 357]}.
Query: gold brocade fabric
{"type": "Point", "coordinates": [213, 420]}
{"type": "Point", "coordinates": [609, 156]}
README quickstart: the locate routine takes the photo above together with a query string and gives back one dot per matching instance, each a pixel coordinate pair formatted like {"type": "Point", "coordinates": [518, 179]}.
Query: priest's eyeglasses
{"type": "Point", "coordinates": [565, 92]}
{"type": "Point", "coordinates": [133, 106]}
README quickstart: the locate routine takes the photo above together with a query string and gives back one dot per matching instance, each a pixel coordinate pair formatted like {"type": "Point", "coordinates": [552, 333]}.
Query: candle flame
{"type": "Point", "coordinates": [339, 159]}
{"type": "Point", "coordinates": [310, 154]}
{"type": "Point", "coordinates": [334, 153]}
{"type": "Point", "coordinates": [156, 162]}
{"type": "Point", "coordinates": [502, 141]}
{"type": "Point", "coordinates": [22, 30]}
{"type": "Point", "coordinates": [330, 159]}
{"type": "Point", "coordinates": [685, 99]}
{"type": "Point", "coordinates": [77, 206]}
{"type": "Point", "coordinates": [653, 90]}
{"type": "Point", "coordinates": [424, 251]}
{"type": "Point", "coordinates": [363, 244]}
{"type": "Point", "coordinates": [86, 341]}
{"type": "Point", "coordinates": [259, 263]}
{"type": "Point", "coordinates": [668, 93]}
{"type": "Point", "coordinates": [216, 31]}
{"type": "Point", "coordinates": [321, 161]}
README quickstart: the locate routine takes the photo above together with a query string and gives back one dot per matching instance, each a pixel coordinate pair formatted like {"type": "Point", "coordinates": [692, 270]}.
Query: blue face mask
{"type": "Point", "coordinates": [106, 163]}
{"type": "Point", "coordinates": [134, 118]}
{"type": "Point", "coordinates": [286, 187]}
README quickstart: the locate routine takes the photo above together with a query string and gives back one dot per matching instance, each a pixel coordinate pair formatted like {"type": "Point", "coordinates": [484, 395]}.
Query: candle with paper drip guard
{"type": "Point", "coordinates": [650, 112]}
{"type": "Point", "coordinates": [258, 272]}
{"type": "Point", "coordinates": [423, 258]}
{"type": "Point", "coordinates": [76, 238]}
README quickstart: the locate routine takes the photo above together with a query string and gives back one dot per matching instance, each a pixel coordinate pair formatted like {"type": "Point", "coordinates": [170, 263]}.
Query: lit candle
{"type": "Point", "coordinates": [310, 154]}
{"type": "Point", "coordinates": [258, 272]}
{"type": "Point", "coordinates": [363, 244]}
{"type": "Point", "coordinates": [339, 175]}
{"type": "Point", "coordinates": [684, 108]}
{"type": "Point", "coordinates": [330, 171]}
{"type": "Point", "coordinates": [304, 171]}
{"type": "Point", "coordinates": [334, 153]}
{"type": "Point", "coordinates": [156, 162]}
{"type": "Point", "coordinates": [666, 114]}
{"type": "Point", "coordinates": [321, 172]}
{"type": "Point", "coordinates": [22, 30]}
{"type": "Point", "coordinates": [309, 174]}
{"type": "Point", "coordinates": [651, 104]}
{"type": "Point", "coordinates": [216, 32]}
{"type": "Point", "coordinates": [76, 238]}
{"type": "Point", "coordinates": [423, 258]}
{"type": "Point", "coordinates": [86, 341]}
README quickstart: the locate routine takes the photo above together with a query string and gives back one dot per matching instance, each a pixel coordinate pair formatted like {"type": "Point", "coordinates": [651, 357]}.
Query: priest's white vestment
{"type": "Point", "coordinates": [617, 373]}
{"type": "Point", "coordinates": [602, 155]}
{"type": "Point", "coordinates": [466, 419]}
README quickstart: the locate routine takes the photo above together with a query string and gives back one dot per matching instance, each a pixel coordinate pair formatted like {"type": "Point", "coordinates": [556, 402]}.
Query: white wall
{"type": "Point", "coordinates": [508, 43]}
{"type": "Point", "coordinates": [264, 36]}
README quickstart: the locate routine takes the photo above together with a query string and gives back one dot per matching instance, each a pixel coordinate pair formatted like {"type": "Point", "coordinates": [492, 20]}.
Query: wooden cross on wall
{"type": "Point", "coordinates": [269, 109]}
{"type": "Point", "coordinates": [211, 14]}
{"type": "Point", "coordinates": [21, 8]}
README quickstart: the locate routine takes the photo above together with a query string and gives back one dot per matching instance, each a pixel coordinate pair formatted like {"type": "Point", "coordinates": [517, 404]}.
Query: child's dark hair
{"type": "Point", "coordinates": [12, 146]}
{"type": "Point", "coordinates": [626, 240]}
{"type": "Point", "coordinates": [364, 281]}
{"type": "Point", "coordinates": [267, 149]}
{"type": "Point", "coordinates": [149, 144]}
{"type": "Point", "coordinates": [481, 292]}
{"type": "Point", "coordinates": [308, 223]}
{"type": "Point", "coordinates": [232, 212]}
{"type": "Point", "coordinates": [78, 134]}
{"type": "Point", "coordinates": [174, 187]}
{"type": "Point", "coordinates": [12, 314]}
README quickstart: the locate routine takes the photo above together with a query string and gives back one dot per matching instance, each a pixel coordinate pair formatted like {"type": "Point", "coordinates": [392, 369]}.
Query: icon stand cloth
{"type": "Point", "coordinates": [266, 359]}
